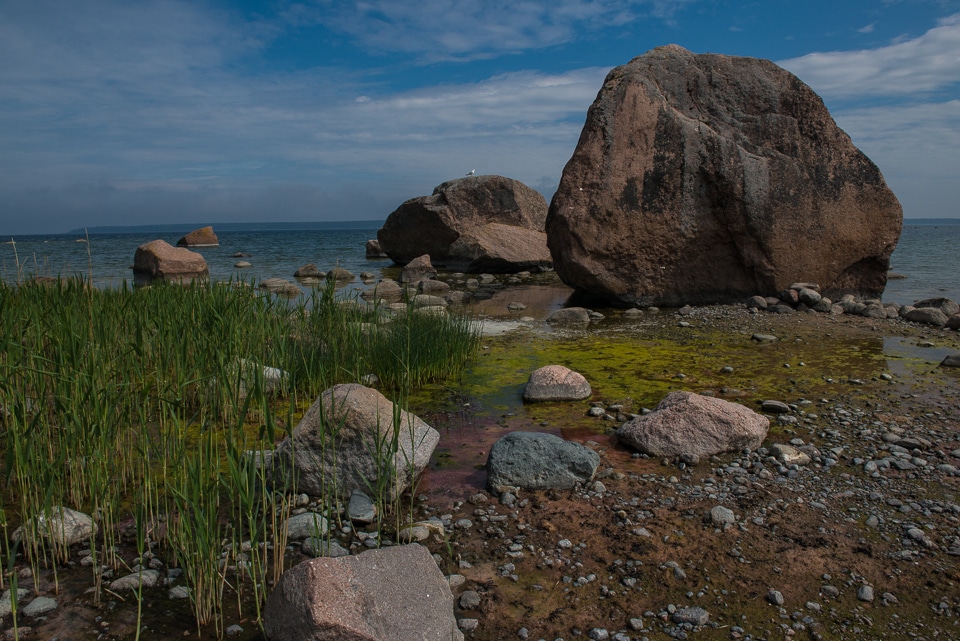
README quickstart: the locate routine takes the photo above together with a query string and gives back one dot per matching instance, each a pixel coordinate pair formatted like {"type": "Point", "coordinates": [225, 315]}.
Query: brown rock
{"type": "Point", "coordinates": [385, 290]}
{"type": "Point", "coordinates": [499, 248]}
{"type": "Point", "coordinates": [159, 260]}
{"type": "Point", "coordinates": [203, 237]}
{"type": "Point", "coordinates": [707, 178]}
{"type": "Point", "coordinates": [685, 423]}
{"type": "Point", "coordinates": [308, 271]}
{"type": "Point", "coordinates": [463, 210]}
{"type": "Point", "coordinates": [340, 274]}
{"type": "Point", "coordinates": [373, 249]}
{"type": "Point", "coordinates": [420, 268]}
{"type": "Point", "coordinates": [392, 593]}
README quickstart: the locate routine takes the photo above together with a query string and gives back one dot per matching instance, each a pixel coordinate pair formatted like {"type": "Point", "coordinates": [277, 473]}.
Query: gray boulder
{"type": "Point", "coordinates": [280, 286]}
{"type": "Point", "coordinates": [569, 316]}
{"type": "Point", "coordinates": [307, 524]}
{"type": "Point", "coordinates": [927, 316]}
{"type": "Point", "coordinates": [556, 383]}
{"type": "Point", "coordinates": [951, 360]}
{"type": "Point", "coordinates": [945, 305]}
{"type": "Point", "coordinates": [392, 593]}
{"type": "Point", "coordinates": [685, 423]}
{"type": "Point", "coordinates": [62, 527]}
{"type": "Point", "coordinates": [351, 438]}
{"type": "Point", "coordinates": [539, 461]}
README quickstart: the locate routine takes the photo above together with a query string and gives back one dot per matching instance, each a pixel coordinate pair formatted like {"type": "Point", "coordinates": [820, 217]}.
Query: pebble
{"type": "Point", "coordinates": [722, 516]}
{"type": "Point", "coordinates": [468, 625]}
{"type": "Point", "coordinates": [469, 600]}
{"type": "Point", "coordinates": [696, 616]}
{"type": "Point", "coordinates": [865, 593]}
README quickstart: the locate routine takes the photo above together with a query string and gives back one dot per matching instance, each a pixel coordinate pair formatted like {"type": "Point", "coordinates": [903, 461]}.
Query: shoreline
{"type": "Point", "coordinates": [644, 533]}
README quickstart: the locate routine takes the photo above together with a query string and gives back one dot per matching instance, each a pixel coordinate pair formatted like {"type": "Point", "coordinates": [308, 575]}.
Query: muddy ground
{"type": "Point", "coordinates": [836, 548]}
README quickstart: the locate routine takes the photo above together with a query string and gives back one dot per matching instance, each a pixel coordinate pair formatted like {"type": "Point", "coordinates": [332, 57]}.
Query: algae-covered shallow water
{"type": "Point", "coordinates": [635, 363]}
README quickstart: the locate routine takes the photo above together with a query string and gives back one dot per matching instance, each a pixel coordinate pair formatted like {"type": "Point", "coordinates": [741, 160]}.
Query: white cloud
{"type": "Point", "coordinates": [915, 147]}
{"type": "Point", "coordinates": [867, 28]}
{"type": "Point", "coordinates": [469, 29]}
{"type": "Point", "coordinates": [146, 103]}
{"type": "Point", "coordinates": [923, 64]}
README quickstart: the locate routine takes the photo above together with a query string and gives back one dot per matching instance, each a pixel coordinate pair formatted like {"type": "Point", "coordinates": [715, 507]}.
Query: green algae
{"type": "Point", "coordinates": [638, 368]}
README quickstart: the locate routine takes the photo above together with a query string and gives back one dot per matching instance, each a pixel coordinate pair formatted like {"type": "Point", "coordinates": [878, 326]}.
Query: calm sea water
{"type": "Point", "coordinates": [272, 254]}
{"type": "Point", "coordinates": [926, 255]}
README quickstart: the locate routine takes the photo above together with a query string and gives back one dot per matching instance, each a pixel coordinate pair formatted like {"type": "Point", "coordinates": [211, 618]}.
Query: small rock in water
{"type": "Point", "coordinates": [40, 606]}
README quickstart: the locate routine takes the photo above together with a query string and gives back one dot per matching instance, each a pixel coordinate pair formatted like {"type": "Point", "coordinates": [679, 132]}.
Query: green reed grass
{"type": "Point", "coordinates": [157, 398]}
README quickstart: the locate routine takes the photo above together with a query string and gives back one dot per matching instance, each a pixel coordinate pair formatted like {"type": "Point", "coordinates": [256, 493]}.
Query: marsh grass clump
{"type": "Point", "coordinates": [149, 405]}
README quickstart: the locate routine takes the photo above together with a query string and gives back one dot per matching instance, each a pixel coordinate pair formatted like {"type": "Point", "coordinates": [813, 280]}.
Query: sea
{"type": "Point", "coordinates": [926, 260]}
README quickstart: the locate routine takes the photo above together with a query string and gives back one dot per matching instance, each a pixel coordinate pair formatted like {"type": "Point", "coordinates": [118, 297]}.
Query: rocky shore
{"type": "Point", "coordinates": [843, 523]}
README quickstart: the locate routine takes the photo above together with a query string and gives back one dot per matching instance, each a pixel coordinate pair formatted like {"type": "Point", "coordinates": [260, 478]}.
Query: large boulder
{"type": "Point", "coordinates": [158, 260]}
{"type": "Point", "coordinates": [392, 593]}
{"type": "Point", "coordinates": [353, 438]}
{"type": "Point", "coordinates": [539, 461]}
{"type": "Point", "coordinates": [685, 423]}
{"type": "Point", "coordinates": [203, 237]}
{"type": "Point", "coordinates": [711, 178]}
{"type": "Point", "coordinates": [473, 224]}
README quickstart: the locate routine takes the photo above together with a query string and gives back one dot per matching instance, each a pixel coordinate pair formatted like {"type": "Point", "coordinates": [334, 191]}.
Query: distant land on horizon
{"type": "Point", "coordinates": [185, 228]}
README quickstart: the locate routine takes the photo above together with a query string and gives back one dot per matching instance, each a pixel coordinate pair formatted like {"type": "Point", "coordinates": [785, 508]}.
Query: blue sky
{"type": "Point", "coordinates": [132, 112]}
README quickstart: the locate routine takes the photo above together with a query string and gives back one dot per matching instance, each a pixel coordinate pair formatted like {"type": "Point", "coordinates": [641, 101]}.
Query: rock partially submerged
{"type": "Point", "coordinates": [203, 237]}
{"type": "Point", "coordinates": [419, 268]}
{"type": "Point", "coordinates": [309, 270]}
{"type": "Point", "coordinates": [709, 178]}
{"type": "Point", "coordinates": [474, 224]}
{"type": "Point", "coordinates": [373, 249]}
{"type": "Point", "coordinates": [353, 437]}
{"type": "Point", "coordinates": [158, 260]}
{"type": "Point", "coordinates": [556, 383]}
{"type": "Point", "coordinates": [391, 593]}
{"type": "Point", "coordinates": [688, 424]}
{"type": "Point", "coordinates": [539, 461]}
{"type": "Point", "coordinates": [280, 286]}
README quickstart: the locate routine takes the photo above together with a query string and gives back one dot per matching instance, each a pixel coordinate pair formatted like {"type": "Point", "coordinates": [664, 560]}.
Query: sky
{"type": "Point", "coordinates": [132, 112]}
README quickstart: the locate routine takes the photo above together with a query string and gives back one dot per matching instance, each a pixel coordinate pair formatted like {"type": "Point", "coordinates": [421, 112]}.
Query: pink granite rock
{"type": "Point", "coordinates": [556, 383]}
{"type": "Point", "coordinates": [685, 423]}
{"type": "Point", "coordinates": [391, 593]}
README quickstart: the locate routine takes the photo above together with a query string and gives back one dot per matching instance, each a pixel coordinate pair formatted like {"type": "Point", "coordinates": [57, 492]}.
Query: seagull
{"type": "Point", "coordinates": [471, 172]}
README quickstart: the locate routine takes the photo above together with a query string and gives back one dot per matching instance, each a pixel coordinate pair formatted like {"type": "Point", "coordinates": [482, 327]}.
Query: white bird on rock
{"type": "Point", "coordinates": [471, 172]}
